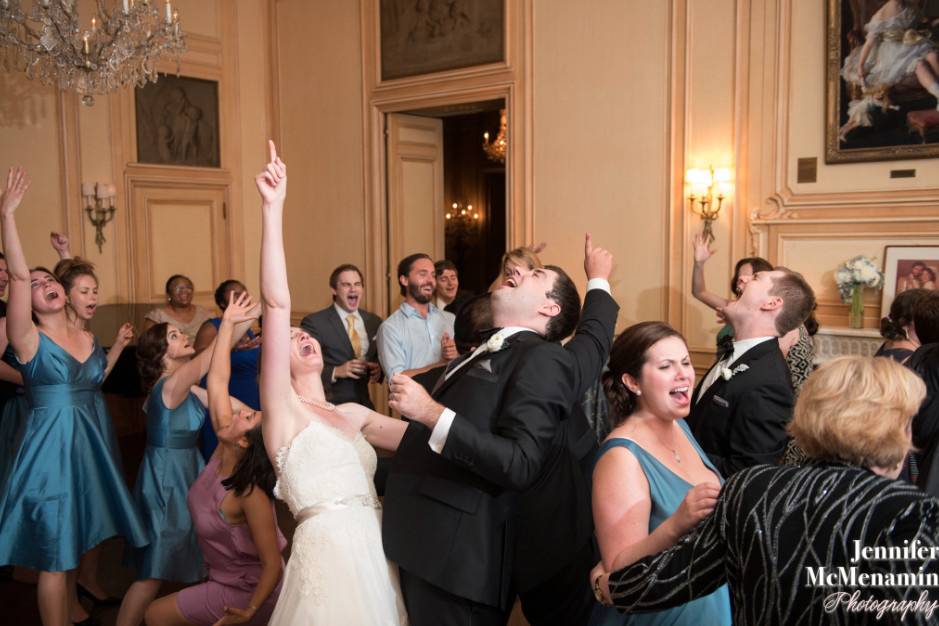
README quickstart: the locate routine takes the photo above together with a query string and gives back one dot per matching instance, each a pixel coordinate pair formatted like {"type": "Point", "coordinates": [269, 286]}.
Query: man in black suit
{"type": "Point", "coordinates": [742, 405]}
{"type": "Point", "coordinates": [493, 433]}
{"type": "Point", "coordinates": [347, 336]}
{"type": "Point", "coordinates": [447, 294]}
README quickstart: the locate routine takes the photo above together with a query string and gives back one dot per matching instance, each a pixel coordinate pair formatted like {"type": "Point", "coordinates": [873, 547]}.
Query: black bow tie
{"type": "Point", "coordinates": [725, 347]}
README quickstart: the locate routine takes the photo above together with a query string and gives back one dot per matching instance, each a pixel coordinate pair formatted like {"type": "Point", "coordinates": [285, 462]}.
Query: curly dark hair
{"type": "Point", "coordinates": [627, 356]}
{"type": "Point", "coordinates": [68, 270]}
{"type": "Point", "coordinates": [900, 315]}
{"type": "Point", "coordinates": [151, 346]}
{"type": "Point", "coordinates": [254, 469]}
{"type": "Point", "coordinates": [564, 292]}
{"type": "Point", "coordinates": [221, 297]}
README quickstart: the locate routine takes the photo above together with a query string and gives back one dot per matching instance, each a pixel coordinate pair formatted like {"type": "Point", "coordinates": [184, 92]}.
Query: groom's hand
{"type": "Point", "coordinates": [598, 262]}
{"type": "Point", "coordinates": [410, 399]}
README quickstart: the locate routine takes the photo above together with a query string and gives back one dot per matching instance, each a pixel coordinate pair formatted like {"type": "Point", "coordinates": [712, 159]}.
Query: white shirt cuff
{"type": "Point", "coordinates": [438, 437]}
{"type": "Point", "coordinates": [599, 283]}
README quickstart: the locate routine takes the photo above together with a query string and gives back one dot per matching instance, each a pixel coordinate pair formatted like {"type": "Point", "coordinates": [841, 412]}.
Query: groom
{"type": "Point", "coordinates": [485, 439]}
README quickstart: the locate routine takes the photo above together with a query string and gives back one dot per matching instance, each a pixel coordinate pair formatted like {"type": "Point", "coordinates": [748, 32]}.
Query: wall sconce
{"type": "Point", "coordinates": [99, 205]}
{"type": "Point", "coordinates": [459, 212]}
{"type": "Point", "coordinates": [703, 184]}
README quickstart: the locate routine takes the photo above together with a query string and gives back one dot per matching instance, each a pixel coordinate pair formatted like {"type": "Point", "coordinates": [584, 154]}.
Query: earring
{"type": "Point", "coordinates": [638, 392]}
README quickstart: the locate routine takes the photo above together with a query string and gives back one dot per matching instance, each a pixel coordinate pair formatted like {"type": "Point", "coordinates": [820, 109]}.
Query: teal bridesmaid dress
{"type": "Point", "coordinates": [667, 490]}
{"type": "Point", "coordinates": [171, 463]}
{"type": "Point", "coordinates": [63, 492]}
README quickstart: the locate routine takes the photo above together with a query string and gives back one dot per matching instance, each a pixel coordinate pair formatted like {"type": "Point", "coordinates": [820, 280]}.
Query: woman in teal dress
{"type": "Point", "coordinates": [652, 483]}
{"type": "Point", "coordinates": [64, 493]}
{"type": "Point", "coordinates": [169, 368]}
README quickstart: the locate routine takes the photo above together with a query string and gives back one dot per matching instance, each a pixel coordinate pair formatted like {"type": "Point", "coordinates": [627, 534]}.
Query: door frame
{"type": "Point", "coordinates": [509, 80]}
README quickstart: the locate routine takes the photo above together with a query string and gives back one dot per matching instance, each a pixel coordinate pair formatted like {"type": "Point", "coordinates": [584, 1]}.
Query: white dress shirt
{"type": "Point", "coordinates": [740, 348]}
{"type": "Point", "coordinates": [359, 326]}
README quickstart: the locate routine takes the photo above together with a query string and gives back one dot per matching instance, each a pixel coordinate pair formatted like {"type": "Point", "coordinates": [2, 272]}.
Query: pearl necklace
{"type": "Point", "coordinates": [328, 406]}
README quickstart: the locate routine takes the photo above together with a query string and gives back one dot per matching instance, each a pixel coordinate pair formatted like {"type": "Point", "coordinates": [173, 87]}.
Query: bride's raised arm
{"type": "Point", "coordinates": [279, 424]}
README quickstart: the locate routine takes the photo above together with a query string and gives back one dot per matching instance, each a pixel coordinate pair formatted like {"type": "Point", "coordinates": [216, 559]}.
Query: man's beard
{"type": "Point", "coordinates": [414, 290]}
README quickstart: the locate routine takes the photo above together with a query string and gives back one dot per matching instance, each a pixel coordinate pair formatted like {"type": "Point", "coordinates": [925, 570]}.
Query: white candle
{"type": "Point", "coordinates": [85, 38]}
{"type": "Point", "coordinates": [94, 24]}
{"type": "Point", "coordinates": [102, 191]}
{"type": "Point", "coordinates": [169, 12]}
{"type": "Point", "coordinates": [126, 8]}
{"type": "Point", "coordinates": [88, 189]}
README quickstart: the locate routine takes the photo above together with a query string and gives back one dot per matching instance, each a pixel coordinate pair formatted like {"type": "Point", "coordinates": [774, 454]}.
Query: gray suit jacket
{"type": "Point", "coordinates": [328, 328]}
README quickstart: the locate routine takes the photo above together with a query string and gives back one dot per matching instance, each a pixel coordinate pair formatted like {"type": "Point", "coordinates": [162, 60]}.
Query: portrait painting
{"type": "Point", "coordinates": [177, 122]}
{"type": "Point", "coordinates": [908, 267]}
{"type": "Point", "coordinates": [425, 36]}
{"type": "Point", "coordinates": [882, 80]}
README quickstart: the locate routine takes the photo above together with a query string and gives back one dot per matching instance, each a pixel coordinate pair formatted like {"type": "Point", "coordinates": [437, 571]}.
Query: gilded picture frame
{"type": "Point", "coordinates": [889, 114]}
{"type": "Point", "coordinates": [427, 36]}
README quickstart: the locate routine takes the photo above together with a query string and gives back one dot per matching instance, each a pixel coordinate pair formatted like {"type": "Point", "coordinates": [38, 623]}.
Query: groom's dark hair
{"type": "Point", "coordinates": [564, 292]}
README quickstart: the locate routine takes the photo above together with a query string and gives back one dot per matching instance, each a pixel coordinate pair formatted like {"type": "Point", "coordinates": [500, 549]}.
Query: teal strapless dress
{"type": "Point", "coordinates": [171, 463]}
{"type": "Point", "coordinates": [667, 491]}
{"type": "Point", "coordinates": [64, 493]}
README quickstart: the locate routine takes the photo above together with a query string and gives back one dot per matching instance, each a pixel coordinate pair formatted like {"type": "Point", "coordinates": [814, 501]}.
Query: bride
{"type": "Point", "coordinates": [337, 573]}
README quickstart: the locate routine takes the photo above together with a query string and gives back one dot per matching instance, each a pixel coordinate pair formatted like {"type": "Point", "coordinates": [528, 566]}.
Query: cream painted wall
{"type": "Point", "coordinates": [59, 141]}
{"type": "Point", "coordinates": [29, 137]}
{"type": "Point", "coordinates": [601, 118]}
{"type": "Point", "coordinates": [319, 64]}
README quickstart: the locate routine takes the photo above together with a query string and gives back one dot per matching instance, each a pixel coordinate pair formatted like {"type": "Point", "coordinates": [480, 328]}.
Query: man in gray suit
{"type": "Point", "coordinates": [346, 334]}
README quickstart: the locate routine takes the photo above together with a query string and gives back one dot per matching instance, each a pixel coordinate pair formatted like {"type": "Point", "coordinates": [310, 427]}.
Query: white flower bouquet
{"type": "Point", "coordinates": [861, 271]}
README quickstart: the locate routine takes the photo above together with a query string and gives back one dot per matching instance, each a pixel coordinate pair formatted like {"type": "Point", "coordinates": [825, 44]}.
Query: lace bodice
{"type": "Point", "coordinates": [322, 465]}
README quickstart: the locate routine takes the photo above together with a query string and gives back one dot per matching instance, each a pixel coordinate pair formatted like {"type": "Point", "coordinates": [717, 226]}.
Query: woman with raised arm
{"type": "Point", "coordinates": [80, 282]}
{"type": "Point", "coordinates": [168, 368]}
{"type": "Point", "coordinates": [232, 508]}
{"type": "Point", "coordinates": [324, 464]}
{"type": "Point", "coordinates": [64, 494]}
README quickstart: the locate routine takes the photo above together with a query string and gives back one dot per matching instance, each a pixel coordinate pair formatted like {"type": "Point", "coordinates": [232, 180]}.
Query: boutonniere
{"type": "Point", "coordinates": [727, 373]}
{"type": "Point", "coordinates": [496, 342]}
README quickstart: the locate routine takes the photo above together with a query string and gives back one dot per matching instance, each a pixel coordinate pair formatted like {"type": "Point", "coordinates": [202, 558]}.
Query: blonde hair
{"type": "Point", "coordinates": [858, 410]}
{"type": "Point", "coordinates": [521, 256]}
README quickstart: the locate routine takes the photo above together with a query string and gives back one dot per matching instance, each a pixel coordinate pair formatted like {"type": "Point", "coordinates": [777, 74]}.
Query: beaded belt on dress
{"type": "Point", "coordinates": [368, 501]}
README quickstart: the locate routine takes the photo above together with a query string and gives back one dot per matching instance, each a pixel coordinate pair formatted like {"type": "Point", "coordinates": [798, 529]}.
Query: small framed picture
{"type": "Point", "coordinates": [177, 122]}
{"type": "Point", "coordinates": [908, 267]}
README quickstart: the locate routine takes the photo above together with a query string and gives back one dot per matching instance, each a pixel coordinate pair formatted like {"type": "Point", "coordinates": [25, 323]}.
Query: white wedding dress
{"type": "Point", "coordinates": [337, 574]}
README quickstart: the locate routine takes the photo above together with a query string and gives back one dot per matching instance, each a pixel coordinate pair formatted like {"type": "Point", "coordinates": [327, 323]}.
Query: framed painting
{"type": "Point", "coordinates": [882, 80]}
{"type": "Point", "coordinates": [177, 122]}
{"type": "Point", "coordinates": [425, 36]}
{"type": "Point", "coordinates": [908, 267]}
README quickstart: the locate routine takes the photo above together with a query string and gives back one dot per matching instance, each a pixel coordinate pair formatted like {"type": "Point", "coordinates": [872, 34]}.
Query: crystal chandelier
{"type": "Point", "coordinates": [119, 47]}
{"type": "Point", "coordinates": [496, 150]}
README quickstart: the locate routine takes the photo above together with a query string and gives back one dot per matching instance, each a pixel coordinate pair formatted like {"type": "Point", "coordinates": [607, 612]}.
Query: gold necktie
{"type": "Point", "coordinates": [354, 337]}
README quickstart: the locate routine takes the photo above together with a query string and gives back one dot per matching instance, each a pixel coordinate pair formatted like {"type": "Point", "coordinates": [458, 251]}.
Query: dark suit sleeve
{"type": "Point", "coordinates": [372, 322]}
{"type": "Point", "coordinates": [590, 345]}
{"type": "Point", "coordinates": [692, 568]}
{"type": "Point", "coordinates": [312, 325]}
{"type": "Point", "coordinates": [536, 398]}
{"type": "Point", "coordinates": [758, 434]}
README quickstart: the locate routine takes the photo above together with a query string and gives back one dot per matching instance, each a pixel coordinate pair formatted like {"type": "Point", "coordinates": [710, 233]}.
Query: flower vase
{"type": "Point", "coordinates": [856, 315]}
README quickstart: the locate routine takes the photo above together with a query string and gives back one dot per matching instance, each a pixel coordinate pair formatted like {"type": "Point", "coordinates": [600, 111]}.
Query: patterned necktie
{"type": "Point", "coordinates": [354, 337]}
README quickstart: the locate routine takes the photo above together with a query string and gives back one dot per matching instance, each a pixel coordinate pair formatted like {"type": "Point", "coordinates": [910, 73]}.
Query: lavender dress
{"type": "Point", "coordinates": [230, 556]}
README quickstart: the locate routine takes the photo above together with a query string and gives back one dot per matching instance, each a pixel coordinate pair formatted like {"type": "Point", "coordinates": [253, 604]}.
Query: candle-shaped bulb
{"type": "Point", "coordinates": [101, 191]}
{"type": "Point", "coordinates": [175, 16]}
{"type": "Point", "coordinates": [486, 137]}
{"type": "Point", "coordinates": [169, 12]}
{"type": "Point", "coordinates": [94, 24]}
{"type": "Point", "coordinates": [85, 39]}
{"type": "Point", "coordinates": [88, 189]}
{"type": "Point", "coordinates": [126, 7]}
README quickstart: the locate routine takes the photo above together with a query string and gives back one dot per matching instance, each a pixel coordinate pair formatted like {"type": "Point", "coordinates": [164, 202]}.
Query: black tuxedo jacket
{"type": "Point", "coordinates": [330, 330]}
{"type": "Point", "coordinates": [554, 518]}
{"type": "Point", "coordinates": [925, 362]}
{"type": "Point", "coordinates": [741, 422]}
{"type": "Point", "coordinates": [451, 518]}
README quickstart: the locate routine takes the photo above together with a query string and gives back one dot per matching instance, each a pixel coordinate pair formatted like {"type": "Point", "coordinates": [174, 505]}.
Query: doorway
{"type": "Point", "coordinates": [445, 193]}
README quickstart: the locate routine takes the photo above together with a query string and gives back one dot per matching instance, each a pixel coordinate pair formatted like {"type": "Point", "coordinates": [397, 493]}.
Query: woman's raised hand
{"type": "Point", "coordinates": [17, 184]}
{"type": "Point", "coordinates": [240, 309]}
{"type": "Point", "coordinates": [701, 246]}
{"type": "Point", "coordinates": [698, 504]}
{"type": "Point", "coordinates": [124, 334]}
{"type": "Point", "coordinates": [272, 182]}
